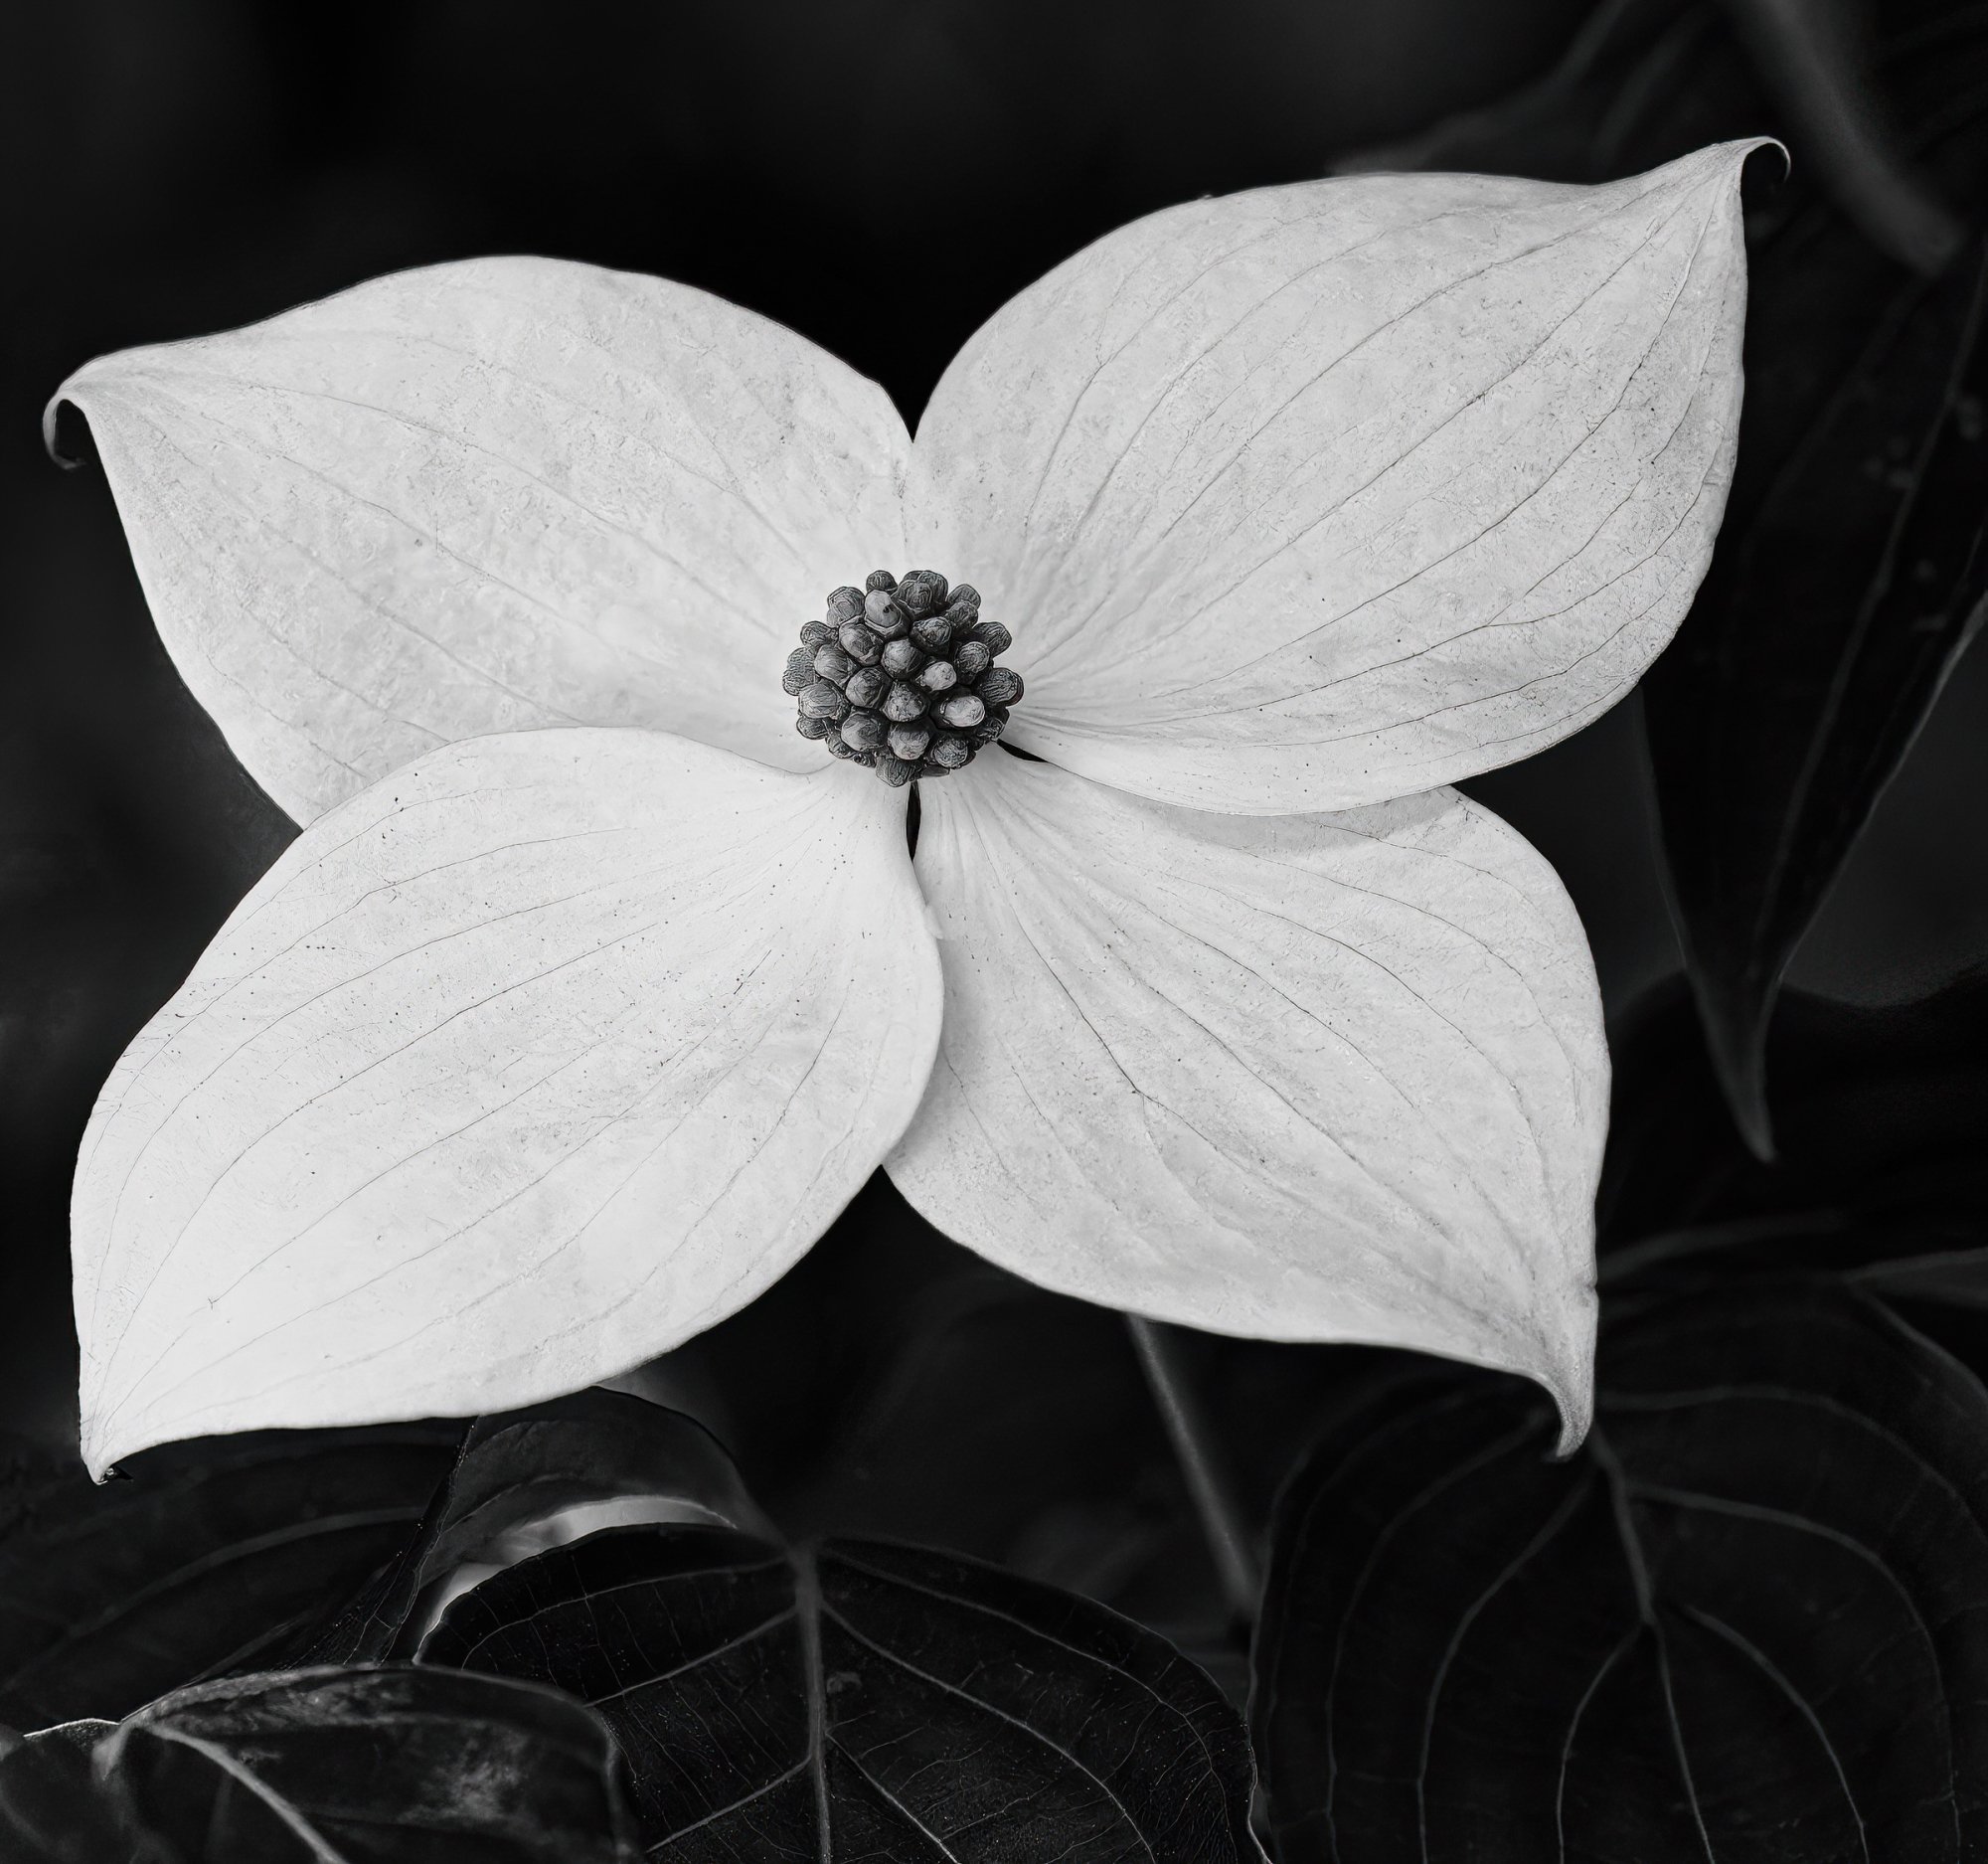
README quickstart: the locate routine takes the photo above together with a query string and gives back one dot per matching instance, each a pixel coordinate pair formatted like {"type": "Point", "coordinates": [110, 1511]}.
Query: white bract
{"type": "Point", "coordinates": [591, 993]}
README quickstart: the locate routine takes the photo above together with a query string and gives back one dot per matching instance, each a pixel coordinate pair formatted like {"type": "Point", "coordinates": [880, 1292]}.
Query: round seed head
{"type": "Point", "coordinates": [881, 610]}
{"type": "Point", "coordinates": [859, 644]}
{"type": "Point", "coordinates": [901, 676]}
{"type": "Point", "coordinates": [902, 659]}
{"type": "Point", "coordinates": [904, 704]}
{"type": "Point", "coordinates": [959, 710]}
{"type": "Point", "coordinates": [999, 686]}
{"type": "Point", "coordinates": [821, 700]}
{"type": "Point", "coordinates": [922, 593]}
{"type": "Point", "coordinates": [864, 730]}
{"type": "Point", "coordinates": [867, 686]}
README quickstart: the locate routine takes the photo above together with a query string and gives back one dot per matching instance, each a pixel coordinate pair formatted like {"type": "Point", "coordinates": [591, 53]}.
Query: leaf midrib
{"type": "Point", "coordinates": [815, 1685]}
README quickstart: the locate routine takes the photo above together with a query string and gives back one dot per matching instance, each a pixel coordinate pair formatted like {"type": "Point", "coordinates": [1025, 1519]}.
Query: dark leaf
{"type": "Point", "coordinates": [209, 1554]}
{"type": "Point", "coordinates": [529, 1479]}
{"type": "Point", "coordinates": [924, 1707]}
{"type": "Point", "coordinates": [1881, 1117]}
{"type": "Point", "coordinates": [51, 1809]}
{"type": "Point", "coordinates": [941, 1400]}
{"type": "Point", "coordinates": [1749, 1620]}
{"type": "Point", "coordinates": [1847, 580]}
{"type": "Point", "coordinates": [895, 1386]}
{"type": "Point", "coordinates": [1880, 1180]}
{"type": "Point", "coordinates": [389, 1765]}
{"type": "Point", "coordinates": [1012, 1425]}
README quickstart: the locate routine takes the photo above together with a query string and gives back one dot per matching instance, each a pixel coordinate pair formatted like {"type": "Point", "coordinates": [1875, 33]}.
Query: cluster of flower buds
{"type": "Point", "coordinates": [901, 676]}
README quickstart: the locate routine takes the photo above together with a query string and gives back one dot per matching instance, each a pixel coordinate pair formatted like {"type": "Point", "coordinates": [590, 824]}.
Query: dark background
{"type": "Point", "coordinates": [880, 175]}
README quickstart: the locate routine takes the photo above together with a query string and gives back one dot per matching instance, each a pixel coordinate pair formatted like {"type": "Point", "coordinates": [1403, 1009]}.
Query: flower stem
{"type": "Point", "coordinates": [1198, 1451]}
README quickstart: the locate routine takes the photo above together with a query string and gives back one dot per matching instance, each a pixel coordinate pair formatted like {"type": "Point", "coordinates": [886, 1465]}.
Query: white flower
{"type": "Point", "coordinates": [592, 991]}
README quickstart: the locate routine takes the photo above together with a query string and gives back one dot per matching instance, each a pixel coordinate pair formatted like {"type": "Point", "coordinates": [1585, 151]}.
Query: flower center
{"type": "Point", "coordinates": [901, 676]}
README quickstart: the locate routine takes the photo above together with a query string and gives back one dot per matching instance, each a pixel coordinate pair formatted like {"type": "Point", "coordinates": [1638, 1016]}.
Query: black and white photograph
{"type": "Point", "coordinates": [959, 931]}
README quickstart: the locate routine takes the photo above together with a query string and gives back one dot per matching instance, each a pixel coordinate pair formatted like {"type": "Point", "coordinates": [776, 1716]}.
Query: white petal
{"type": "Point", "coordinates": [1313, 1077]}
{"type": "Point", "coordinates": [1325, 494]}
{"type": "Point", "coordinates": [513, 1071]}
{"type": "Point", "coordinates": [491, 496]}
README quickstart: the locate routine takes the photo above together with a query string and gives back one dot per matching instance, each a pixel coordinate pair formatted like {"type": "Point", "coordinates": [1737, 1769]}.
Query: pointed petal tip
{"type": "Point", "coordinates": [1566, 1370]}
{"type": "Point", "coordinates": [1576, 1404]}
{"type": "Point", "coordinates": [1735, 152]}
{"type": "Point", "coordinates": [1725, 159]}
{"type": "Point", "coordinates": [1772, 142]}
{"type": "Point", "coordinates": [101, 1450]}
{"type": "Point", "coordinates": [51, 418]}
{"type": "Point", "coordinates": [105, 1434]}
{"type": "Point", "coordinates": [69, 394]}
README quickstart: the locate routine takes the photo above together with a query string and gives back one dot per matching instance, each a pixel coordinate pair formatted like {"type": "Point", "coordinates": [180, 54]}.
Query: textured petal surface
{"type": "Point", "coordinates": [1328, 1077]}
{"type": "Point", "coordinates": [491, 496]}
{"type": "Point", "coordinates": [513, 1071]}
{"type": "Point", "coordinates": [1325, 494]}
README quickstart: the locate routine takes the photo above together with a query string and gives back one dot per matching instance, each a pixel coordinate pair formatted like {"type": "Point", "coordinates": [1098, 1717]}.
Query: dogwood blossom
{"type": "Point", "coordinates": [592, 989]}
